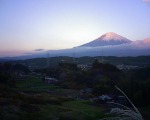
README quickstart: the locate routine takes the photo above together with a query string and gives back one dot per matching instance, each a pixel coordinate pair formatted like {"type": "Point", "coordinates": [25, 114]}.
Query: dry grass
{"type": "Point", "coordinates": [125, 113]}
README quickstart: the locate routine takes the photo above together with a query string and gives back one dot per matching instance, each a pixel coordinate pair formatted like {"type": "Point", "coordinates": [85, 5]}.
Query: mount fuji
{"type": "Point", "coordinates": [109, 38]}
{"type": "Point", "coordinates": [109, 44]}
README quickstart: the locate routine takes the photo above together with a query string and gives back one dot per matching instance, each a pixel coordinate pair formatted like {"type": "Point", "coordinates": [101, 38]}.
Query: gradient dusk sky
{"type": "Point", "coordinates": [27, 25]}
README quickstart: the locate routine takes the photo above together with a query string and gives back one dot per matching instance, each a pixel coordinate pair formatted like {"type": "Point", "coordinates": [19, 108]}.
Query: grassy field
{"type": "Point", "coordinates": [85, 108]}
{"type": "Point", "coordinates": [20, 105]}
{"type": "Point", "coordinates": [34, 102]}
{"type": "Point", "coordinates": [33, 84]}
{"type": "Point", "coordinates": [75, 110]}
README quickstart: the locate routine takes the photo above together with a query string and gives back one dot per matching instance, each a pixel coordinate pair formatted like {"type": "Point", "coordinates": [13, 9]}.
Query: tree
{"type": "Point", "coordinates": [22, 68]}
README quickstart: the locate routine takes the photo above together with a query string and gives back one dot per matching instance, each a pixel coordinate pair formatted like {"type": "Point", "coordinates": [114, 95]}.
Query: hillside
{"type": "Point", "coordinates": [54, 61]}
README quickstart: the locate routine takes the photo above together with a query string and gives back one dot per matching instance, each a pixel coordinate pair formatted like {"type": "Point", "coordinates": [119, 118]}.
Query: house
{"type": "Point", "coordinates": [50, 80]}
{"type": "Point", "coordinates": [127, 67]}
{"type": "Point", "coordinates": [105, 98]}
{"type": "Point", "coordinates": [84, 67]}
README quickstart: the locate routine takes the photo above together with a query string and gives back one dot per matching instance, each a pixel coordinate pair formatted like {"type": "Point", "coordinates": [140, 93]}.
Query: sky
{"type": "Point", "coordinates": [34, 25]}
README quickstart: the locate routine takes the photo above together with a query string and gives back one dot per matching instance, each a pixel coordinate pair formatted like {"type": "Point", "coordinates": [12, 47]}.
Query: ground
{"type": "Point", "coordinates": [34, 99]}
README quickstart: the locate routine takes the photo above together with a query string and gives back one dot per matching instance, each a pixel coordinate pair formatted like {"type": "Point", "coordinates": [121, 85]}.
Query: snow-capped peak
{"type": "Point", "coordinates": [112, 36]}
{"type": "Point", "coordinates": [109, 38]}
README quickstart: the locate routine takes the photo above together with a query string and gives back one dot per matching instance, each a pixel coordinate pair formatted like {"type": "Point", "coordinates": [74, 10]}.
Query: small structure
{"type": "Point", "coordinates": [105, 98]}
{"type": "Point", "coordinates": [50, 80]}
{"type": "Point", "coordinates": [127, 67]}
{"type": "Point", "coordinates": [84, 67]}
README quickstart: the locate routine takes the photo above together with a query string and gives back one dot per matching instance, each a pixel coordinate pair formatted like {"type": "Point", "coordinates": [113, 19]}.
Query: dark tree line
{"type": "Point", "coordinates": [136, 84]}
{"type": "Point", "coordinates": [8, 72]}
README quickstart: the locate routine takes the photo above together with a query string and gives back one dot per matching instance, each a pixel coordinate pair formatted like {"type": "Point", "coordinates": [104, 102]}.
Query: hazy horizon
{"type": "Point", "coordinates": [30, 26]}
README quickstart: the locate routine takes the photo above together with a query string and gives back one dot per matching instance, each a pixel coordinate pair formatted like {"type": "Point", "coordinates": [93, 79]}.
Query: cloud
{"type": "Point", "coordinates": [147, 1]}
{"type": "Point", "coordinates": [39, 50]}
{"type": "Point", "coordinates": [28, 53]}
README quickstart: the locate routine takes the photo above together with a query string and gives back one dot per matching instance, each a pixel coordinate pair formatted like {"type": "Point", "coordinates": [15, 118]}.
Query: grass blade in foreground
{"type": "Point", "coordinates": [126, 113]}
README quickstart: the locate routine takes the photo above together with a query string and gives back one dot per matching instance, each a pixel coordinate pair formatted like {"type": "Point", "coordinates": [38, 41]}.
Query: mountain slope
{"type": "Point", "coordinates": [109, 38]}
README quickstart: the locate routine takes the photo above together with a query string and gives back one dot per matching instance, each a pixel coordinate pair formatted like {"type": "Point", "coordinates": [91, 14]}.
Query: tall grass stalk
{"type": "Point", "coordinates": [126, 113]}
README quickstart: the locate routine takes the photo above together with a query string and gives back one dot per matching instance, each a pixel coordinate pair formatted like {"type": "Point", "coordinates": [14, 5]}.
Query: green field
{"type": "Point", "coordinates": [75, 110]}
{"type": "Point", "coordinates": [31, 83]}
{"type": "Point", "coordinates": [31, 99]}
{"type": "Point", "coordinates": [85, 108]}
